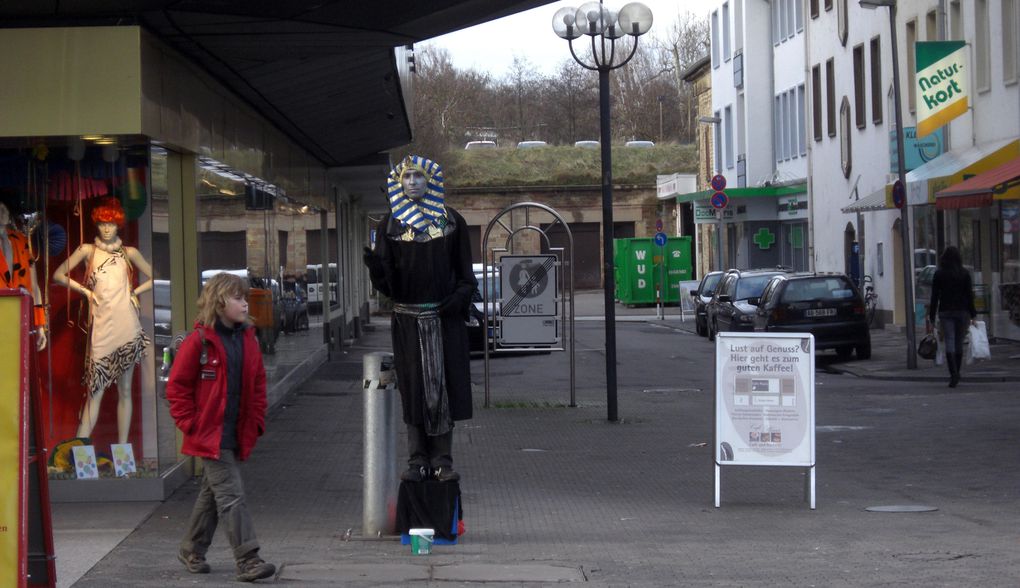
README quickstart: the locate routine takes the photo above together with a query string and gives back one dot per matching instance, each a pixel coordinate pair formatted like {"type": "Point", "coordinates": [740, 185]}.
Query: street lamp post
{"type": "Point", "coordinates": [605, 27]}
{"type": "Point", "coordinates": [908, 283]}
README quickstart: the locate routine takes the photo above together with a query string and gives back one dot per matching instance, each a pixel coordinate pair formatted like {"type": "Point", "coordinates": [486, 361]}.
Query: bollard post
{"type": "Point", "coordinates": [381, 400]}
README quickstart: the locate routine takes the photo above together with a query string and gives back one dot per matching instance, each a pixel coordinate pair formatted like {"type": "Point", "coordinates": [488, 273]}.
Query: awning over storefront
{"type": "Point", "coordinates": [873, 201]}
{"type": "Point", "coordinates": [940, 173]}
{"type": "Point", "coordinates": [982, 189]}
{"type": "Point", "coordinates": [756, 192]}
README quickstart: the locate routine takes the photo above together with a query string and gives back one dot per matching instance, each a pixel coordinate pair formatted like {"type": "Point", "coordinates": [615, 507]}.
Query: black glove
{"type": "Point", "coordinates": [452, 305]}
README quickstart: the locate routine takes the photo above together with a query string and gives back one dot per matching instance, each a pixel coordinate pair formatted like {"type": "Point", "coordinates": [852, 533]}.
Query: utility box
{"type": "Point", "coordinates": [641, 265]}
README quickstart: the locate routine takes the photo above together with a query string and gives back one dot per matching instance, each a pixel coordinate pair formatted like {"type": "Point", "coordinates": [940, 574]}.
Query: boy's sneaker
{"type": "Point", "coordinates": [254, 568]}
{"type": "Point", "coordinates": [195, 563]}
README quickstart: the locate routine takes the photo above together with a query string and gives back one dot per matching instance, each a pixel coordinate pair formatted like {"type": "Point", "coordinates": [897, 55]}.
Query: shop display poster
{"type": "Point", "coordinates": [123, 459]}
{"type": "Point", "coordinates": [765, 399]}
{"type": "Point", "coordinates": [85, 467]}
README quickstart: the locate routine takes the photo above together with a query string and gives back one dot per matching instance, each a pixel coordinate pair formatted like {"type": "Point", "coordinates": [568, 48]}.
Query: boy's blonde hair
{"type": "Point", "coordinates": [215, 293]}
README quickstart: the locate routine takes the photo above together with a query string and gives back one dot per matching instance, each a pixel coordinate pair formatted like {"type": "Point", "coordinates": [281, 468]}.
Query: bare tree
{"type": "Point", "coordinates": [686, 41]}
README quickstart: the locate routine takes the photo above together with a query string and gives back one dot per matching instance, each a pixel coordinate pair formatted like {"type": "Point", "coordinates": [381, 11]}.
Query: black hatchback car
{"type": "Point", "coordinates": [702, 296]}
{"type": "Point", "coordinates": [729, 309]}
{"type": "Point", "coordinates": [829, 306]}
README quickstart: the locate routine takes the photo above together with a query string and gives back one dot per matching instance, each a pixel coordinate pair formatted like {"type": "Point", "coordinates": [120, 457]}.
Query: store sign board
{"type": "Point", "coordinates": [12, 445]}
{"type": "Point", "coordinates": [942, 90]}
{"type": "Point", "coordinates": [704, 212]}
{"type": "Point", "coordinates": [765, 397]}
{"type": "Point", "coordinates": [916, 151]}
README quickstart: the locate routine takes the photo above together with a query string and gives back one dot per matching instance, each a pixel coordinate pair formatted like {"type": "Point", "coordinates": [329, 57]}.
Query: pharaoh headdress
{"type": "Point", "coordinates": [428, 211]}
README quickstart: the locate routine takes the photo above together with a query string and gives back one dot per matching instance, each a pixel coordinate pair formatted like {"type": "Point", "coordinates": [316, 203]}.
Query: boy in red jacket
{"type": "Point", "coordinates": [217, 394]}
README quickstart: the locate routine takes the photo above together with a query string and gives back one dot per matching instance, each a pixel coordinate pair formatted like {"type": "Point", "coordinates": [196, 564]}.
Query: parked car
{"type": "Point", "coordinates": [531, 144]}
{"type": "Point", "coordinates": [480, 145]}
{"type": "Point", "coordinates": [640, 144]}
{"type": "Point", "coordinates": [587, 144]}
{"type": "Point", "coordinates": [729, 309]}
{"type": "Point", "coordinates": [476, 314]}
{"type": "Point", "coordinates": [702, 296]}
{"type": "Point", "coordinates": [829, 306]}
{"type": "Point", "coordinates": [295, 308]}
{"type": "Point", "coordinates": [161, 313]}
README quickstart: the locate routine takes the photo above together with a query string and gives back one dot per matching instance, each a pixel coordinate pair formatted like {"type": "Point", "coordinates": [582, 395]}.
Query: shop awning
{"type": "Point", "coordinates": [980, 190]}
{"type": "Point", "coordinates": [874, 201]}
{"type": "Point", "coordinates": [755, 192]}
{"type": "Point", "coordinates": [940, 173]}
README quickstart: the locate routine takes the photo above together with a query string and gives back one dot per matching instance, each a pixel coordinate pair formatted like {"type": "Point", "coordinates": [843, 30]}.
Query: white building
{"type": "Point", "coordinates": [760, 143]}
{"type": "Point", "coordinates": [852, 150]}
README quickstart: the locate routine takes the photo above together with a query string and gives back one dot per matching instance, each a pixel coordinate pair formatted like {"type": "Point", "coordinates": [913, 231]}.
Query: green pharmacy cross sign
{"type": "Point", "coordinates": [764, 238]}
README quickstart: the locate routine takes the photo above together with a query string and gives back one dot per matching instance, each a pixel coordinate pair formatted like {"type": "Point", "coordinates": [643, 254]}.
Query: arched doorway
{"type": "Point", "coordinates": [849, 237]}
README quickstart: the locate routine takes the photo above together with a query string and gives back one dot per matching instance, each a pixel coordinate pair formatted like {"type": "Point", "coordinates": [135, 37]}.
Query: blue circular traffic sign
{"type": "Point", "coordinates": [718, 182]}
{"type": "Point", "coordinates": [660, 239]}
{"type": "Point", "coordinates": [720, 200]}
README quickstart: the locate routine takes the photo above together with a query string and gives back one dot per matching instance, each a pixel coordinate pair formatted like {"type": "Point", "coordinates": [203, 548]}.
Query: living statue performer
{"type": "Point", "coordinates": [422, 261]}
{"type": "Point", "coordinates": [17, 267]}
{"type": "Point", "coordinates": [116, 339]}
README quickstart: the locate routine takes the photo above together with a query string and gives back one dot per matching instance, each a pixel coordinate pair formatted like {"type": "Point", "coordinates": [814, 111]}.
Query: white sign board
{"type": "Point", "coordinates": [765, 399]}
{"type": "Point", "coordinates": [528, 302]}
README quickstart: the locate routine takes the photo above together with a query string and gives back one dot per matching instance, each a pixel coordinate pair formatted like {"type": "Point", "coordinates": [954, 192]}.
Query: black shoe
{"type": "Point", "coordinates": [254, 568]}
{"type": "Point", "coordinates": [414, 473]}
{"type": "Point", "coordinates": [954, 380]}
{"type": "Point", "coordinates": [446, 474]}
{"type": "Point", "coordinates": [195, 563]}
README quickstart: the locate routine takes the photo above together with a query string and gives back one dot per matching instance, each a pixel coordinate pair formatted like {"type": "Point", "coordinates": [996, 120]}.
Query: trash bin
{"type": "Point", "coordinates": [638, 265]}
{"type": "Point", "coordinates": [381, 403]}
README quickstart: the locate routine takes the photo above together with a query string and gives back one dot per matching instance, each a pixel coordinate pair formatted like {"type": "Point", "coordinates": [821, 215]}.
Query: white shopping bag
{"type": "Point", "coordinates": [978, 337]}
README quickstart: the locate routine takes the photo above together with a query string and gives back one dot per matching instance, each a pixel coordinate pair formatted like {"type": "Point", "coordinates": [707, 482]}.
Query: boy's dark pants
{"type": "Point", "coordinates": [221, 499]}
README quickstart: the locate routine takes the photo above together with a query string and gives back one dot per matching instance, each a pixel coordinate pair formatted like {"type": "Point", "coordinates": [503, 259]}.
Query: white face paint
{"type": "Point", "coordinates": [414, 183]}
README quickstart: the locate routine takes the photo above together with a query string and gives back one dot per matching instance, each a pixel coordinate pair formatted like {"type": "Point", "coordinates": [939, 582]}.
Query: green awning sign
{"type": "Point", "coordinates": [941, 83]}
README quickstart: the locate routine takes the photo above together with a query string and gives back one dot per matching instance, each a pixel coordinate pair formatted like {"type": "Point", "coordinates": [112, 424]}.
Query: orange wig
{"type": "Point", "coordinates": [108, 210]}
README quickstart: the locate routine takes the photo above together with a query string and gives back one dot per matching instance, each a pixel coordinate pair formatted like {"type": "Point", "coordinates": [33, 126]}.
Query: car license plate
{"type": "Point", "coordinates": [812, 312]}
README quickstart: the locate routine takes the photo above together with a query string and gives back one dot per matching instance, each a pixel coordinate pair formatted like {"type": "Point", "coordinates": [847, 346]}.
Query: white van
{"type": "Point", "coordinates": [480, 145]}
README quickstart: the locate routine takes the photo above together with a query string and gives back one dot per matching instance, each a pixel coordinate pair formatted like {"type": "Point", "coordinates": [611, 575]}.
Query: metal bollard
{"type": "Point", "coordinates": [381, 404]}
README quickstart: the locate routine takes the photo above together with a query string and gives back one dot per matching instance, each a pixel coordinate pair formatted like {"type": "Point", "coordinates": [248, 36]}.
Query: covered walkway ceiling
{"type": "Point", "coordinates": [322, 71]}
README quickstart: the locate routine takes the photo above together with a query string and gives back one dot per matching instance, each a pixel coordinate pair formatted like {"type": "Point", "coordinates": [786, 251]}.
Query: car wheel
{"type": "Point", "coordinates": [864, 350]}
{"type": "Point", "coordinates": [699, 328]}
{"type": "Point", "coordinates": [844, 351]}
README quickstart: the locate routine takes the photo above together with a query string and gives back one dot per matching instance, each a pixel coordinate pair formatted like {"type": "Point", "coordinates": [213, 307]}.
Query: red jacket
{"type": "Point", "coordinates": [198, 394]}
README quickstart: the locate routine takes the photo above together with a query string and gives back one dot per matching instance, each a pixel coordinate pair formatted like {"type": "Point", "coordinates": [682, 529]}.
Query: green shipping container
{"type": "Point", "coordinates": [639, 268]}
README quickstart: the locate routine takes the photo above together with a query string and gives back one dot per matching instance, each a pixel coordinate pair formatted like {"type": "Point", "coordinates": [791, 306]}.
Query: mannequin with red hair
{"type": "Point", "coordinates": [116, 338]}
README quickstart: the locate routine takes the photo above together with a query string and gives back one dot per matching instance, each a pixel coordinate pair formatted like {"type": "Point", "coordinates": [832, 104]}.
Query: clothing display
{"type": "Point", "coordinates": [15, 261]}
{"type": "Point", "coordinates": [117, 340]}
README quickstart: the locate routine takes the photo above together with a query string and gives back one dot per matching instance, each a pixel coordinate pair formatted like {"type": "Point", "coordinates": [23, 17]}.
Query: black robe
{"type": "Point", "coordinates": [413, 272]}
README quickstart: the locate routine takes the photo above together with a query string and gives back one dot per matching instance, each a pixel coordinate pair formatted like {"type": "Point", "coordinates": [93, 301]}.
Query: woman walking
{"type": "Point", "coordinates": [952, 299]}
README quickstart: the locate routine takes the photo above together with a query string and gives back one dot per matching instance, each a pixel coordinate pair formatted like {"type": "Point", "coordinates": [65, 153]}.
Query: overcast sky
{"type": "Point", "coordinates": [491, 47]}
